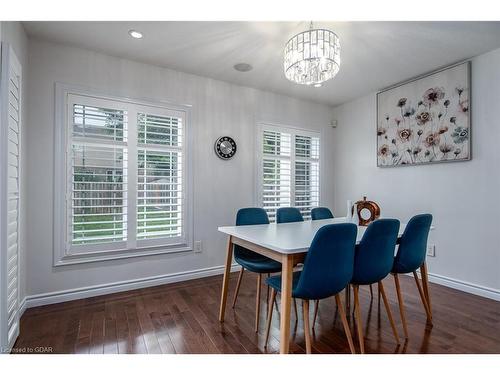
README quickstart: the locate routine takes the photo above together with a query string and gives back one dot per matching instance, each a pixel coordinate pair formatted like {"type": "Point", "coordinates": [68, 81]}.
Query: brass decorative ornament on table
{"type": "Point", "coordinates": [363, 207]}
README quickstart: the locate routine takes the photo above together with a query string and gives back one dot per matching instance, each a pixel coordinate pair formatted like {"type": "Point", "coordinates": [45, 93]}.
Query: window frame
{"type": "Point", "coordinates": [293, 131]}
{"type": "Point", "coordinates": [64, 253]}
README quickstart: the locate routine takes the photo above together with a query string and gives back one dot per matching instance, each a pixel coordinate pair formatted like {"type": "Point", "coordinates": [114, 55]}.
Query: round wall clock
{"type": "Point", "coordinates": [225, 147]}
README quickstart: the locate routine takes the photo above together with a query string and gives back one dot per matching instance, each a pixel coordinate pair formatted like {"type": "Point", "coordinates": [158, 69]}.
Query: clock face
{"type": "Point", "coordinates": [225, 147]}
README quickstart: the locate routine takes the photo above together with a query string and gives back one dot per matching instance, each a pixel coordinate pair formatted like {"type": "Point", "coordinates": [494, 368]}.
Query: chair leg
{"type": "Point", "coordinates": [425, 284]}
{"type": "Point", "coordinates": [307, 329]}
{"type": "Point", "coordinates": [359, 324]}
{"type": "Point", "coordinates": [295, 308]}
{"type": "Point", "coordinates": [257, 302]}
{"type": "Point", "coordinates": [388, 309]}
{"type": "Point", "coordinates": [371, 291]}
{"type": "Point", "coordinates": [344, 323]}
{"type": "Point", "coordinates": [240, 276]}
{"type": "Point", "coordinates": [401, 304]}
{"type": "Point", "coordinates": [348, 299]}
{"type": "Point", "coordinates": [316, 306]}
{"type": "Point", "coordinates": [267, 295]}
{"type": "Point", "coordinates": [270, 316]}
{"type": "Point", "coordinates": [422, 296]}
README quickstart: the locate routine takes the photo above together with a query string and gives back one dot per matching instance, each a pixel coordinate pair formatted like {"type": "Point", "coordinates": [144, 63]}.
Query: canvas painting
{"type": "Point", "coordinates": [426, 120]}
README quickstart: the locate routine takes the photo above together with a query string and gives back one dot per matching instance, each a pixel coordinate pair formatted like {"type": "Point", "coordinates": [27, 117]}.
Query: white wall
{"type": "Point", "coordinates": [14, 34]}
{"type": "Point", "coordinates": [462, 196]}
{"type": "Point", "coordinates": [220, 187]}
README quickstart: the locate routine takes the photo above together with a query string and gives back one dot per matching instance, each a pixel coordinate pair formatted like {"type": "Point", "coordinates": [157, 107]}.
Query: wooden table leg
{"type": "Point", "coordinates": [225, 281]}
{"type": "Point", "coordinates": [286, 302]}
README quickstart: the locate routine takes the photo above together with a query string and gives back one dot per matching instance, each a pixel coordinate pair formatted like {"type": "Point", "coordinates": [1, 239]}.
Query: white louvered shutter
{"type": "Point", "coordinates": [276, 171]}
{"type": "Point", "coordinates": [289, 170]}
{"type": "Point", "coordinates": [125, 177]}
{"type": "Point", "coordinates": [11, 124]}
{"type": "Point", "coordinates": [160, 191]}
{"type": "Point", "coordinates": [306, 174]}
{"type": "Point", "coordinates": [98, 174]}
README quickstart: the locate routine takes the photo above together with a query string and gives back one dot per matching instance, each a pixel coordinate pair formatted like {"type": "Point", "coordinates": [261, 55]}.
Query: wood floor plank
{"type": "Point", "coordinates": [122, 329]}
{"type": "Point", "coordinates": [110, 332]}
{"type": "Point", "coordinates": [85, 328]}
{"type": "Point", "coordinates": [161, 331]}
{"type": "Point", "coordinates": [97, 333]}
{"type": "Point", "coordinates": [135, 342]}
{"type": "Point", "coordinates": [146, 326]}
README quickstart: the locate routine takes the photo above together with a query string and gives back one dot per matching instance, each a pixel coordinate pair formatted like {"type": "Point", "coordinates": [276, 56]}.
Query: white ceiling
{"type": "Point", "coordinates": [374, 54]}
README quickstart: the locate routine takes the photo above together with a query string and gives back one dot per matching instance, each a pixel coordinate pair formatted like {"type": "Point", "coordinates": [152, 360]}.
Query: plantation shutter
{"type": "Point", "coordinates": [276, 171]}
{"type": "Point", "coordinates": [11, 127]}
{"type": "Point", "coordinates": [98, 173]}
{"type": "Point", "coordinates": [289, 170]}
{"type": "Point", "coordinates": [306, 174]}
{"type": "Point", "coordinates": [124, 177]}
{"type": "Point", "coordinates": [160, 192]}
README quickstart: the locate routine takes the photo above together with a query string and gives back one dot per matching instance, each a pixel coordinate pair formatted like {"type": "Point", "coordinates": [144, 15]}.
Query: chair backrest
{"type": "Point", "coordinates": [329, 262]}
{"type": "Point", "coordinates": [413, 244]}
{"type": "Point", "coordinates": [321, 213]}
{"type": "Point", "coordinates": [249, 216]}
{"type": "Point", "coordinates": [374, 256]}
{"type": "Point", "coordinates": [288, 215]}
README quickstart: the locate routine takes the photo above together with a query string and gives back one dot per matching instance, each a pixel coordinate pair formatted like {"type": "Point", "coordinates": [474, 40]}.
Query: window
{"type": "Point", "coordinates": [126, 183]}
{"type": "Point", "coordinates": [289, 169]}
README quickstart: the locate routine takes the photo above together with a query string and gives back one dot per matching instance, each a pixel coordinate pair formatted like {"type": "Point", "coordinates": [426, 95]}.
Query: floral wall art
{"type": "Point", "coordinates": [426, 120]}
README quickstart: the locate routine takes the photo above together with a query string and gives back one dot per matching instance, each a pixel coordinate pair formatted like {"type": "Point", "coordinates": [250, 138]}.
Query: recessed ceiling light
{"type": "Point", "coordinates": [243, 67]}
{"type": "Point", "coordinates": [135, 34]}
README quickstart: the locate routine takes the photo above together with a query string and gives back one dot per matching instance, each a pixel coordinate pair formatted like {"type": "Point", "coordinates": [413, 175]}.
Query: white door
{"type": "Point", "coordinates": [10, 137]}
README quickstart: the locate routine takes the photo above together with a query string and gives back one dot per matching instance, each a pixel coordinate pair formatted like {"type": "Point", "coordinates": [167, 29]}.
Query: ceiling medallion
{"type": "Point", "coordinates": [312, 57]}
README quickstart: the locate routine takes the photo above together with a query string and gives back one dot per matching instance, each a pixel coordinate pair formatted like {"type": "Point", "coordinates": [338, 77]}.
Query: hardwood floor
{"type": "Point", "coordinates": [182, 318]}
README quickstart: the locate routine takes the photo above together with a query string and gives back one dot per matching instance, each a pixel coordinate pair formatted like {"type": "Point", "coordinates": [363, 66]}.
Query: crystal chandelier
{"type": "Point", "coordinates": [312, 57]}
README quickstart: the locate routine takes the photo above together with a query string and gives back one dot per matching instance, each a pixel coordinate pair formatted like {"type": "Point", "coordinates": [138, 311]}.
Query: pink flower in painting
{"type": "Point", "coordinates": [443, 129]}
{"type": "Point", "coordinates": [433, 95]}
{"type": "Point", "coordinates": [431, 139]}
{"type": "Point", "coordinates": [383, 150]}
{"type": "Point", "coordinates": [398, 120]}
{"type": "Point", "coordinates": [463, 106]}
{"type": "Point", "coordinates": [404, 135]}
{"type": "Point", "coordinates": [423, 117]}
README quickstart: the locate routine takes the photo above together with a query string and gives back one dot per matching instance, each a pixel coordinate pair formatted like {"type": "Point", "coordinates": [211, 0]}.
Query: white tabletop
{"type": "Point", "coordinates": [288, 238]}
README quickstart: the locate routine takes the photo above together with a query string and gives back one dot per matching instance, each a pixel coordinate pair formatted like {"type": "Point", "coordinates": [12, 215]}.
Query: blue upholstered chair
{"type": "Point", "coordinates": [251, 261]}
{"type": "Point", "coordinates": [373, 261]}
{"type": "Point", "coordinates": [288, 215]}
{"type": "Point", "coordinates": [410, 257]}
{"type": "Point", "coordinates": [321, 213]}
{"type": "Point", "coordinates": [328, 269]}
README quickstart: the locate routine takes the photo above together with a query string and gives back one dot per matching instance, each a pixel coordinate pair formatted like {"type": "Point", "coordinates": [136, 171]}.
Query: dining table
{"type": "Point", "coordinates": [288, 244]}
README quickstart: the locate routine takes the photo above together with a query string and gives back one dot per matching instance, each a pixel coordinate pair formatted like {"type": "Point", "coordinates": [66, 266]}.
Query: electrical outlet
{"type": "Point", "coordinates": [198, 248]}
{"type": "Point", "coordinates": [431, 250]}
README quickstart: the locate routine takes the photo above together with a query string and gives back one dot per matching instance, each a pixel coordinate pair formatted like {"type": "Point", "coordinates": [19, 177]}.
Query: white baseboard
{"type": "Point", "coordinates": [97, 290]}
{"type": "Point", "coordinates": [22, 307]}
{"type": "Point", "coordinates": [465, 286]}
